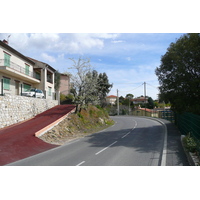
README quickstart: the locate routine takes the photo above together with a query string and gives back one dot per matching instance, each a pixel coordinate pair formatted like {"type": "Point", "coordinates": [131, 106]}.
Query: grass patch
{"type": "Point", "coordinates": [87, 121]}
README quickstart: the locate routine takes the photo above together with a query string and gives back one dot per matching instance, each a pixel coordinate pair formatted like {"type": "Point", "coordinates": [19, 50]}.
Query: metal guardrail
{"type": "Point", "coordinates": [20, 69]}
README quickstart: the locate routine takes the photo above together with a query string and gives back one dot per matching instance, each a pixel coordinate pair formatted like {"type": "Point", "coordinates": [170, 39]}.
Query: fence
{"type": "Point", "coordinates": [189, 123]}
{"type": "Point", "coordinates": [167, 114]}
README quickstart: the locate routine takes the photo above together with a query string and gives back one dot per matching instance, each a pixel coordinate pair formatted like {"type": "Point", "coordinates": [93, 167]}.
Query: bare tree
{"type": "Point", "coordinates": [83, 83]}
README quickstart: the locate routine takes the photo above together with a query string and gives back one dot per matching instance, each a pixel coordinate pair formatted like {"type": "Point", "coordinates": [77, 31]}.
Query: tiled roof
{"type": "Point", "coordinates": [111, 96]}
{"type": "Point", "coordinates": [148, 110]}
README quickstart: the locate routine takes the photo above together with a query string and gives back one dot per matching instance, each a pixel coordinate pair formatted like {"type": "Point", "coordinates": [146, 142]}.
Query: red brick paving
{"type": "Point", "coordinates": [19, 141]}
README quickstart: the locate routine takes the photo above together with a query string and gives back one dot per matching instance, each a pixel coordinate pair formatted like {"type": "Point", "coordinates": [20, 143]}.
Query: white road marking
{"type": "Point", "coordinates": [164, 153]}
{"type": "Point", "coordinates": [131, 129]}
{"type": "Point", "coordinates": [135, 123]}
{"type": "Point", "coordinates": [80, 163]}
{"type": "Point", "coordinates": [105, 148]}
{"type": "Point", "coordinates": [126, 134]}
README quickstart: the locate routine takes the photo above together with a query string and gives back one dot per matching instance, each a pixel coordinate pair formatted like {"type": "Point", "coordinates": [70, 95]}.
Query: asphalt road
{"type": "Point", "coordinates": [132, 141]}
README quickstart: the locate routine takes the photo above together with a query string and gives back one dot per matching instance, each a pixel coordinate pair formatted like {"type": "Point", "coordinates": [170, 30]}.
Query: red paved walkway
{"type": "Point", "coordinates": [19, 141]}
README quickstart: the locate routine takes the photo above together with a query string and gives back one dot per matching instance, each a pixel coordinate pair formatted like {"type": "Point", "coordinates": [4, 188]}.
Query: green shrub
{"type": "Point", "coordinates": [190, 143]}
{"type": "Point", "coordinates": [62, 97]}
{"type": "Point", "coordinates": [80, 115]}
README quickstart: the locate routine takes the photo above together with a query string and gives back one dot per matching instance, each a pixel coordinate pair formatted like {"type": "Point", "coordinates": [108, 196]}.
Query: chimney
{"type": "Point", "coordinates": [5, 41]}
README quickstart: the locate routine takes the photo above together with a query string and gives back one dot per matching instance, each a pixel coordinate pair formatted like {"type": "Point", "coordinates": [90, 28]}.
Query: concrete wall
{"type": "Point", "coordinates": [14, 109]}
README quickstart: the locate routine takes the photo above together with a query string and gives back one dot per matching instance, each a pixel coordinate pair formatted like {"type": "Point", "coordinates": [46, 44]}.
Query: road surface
{"type": "Point", "coordinates": [132, 141]}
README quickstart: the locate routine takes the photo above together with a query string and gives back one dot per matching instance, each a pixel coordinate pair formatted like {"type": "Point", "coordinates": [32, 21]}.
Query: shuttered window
{"type": "Point", "coordinates": [6, 83]}
{"type": "Point", "coordinates": [26, 87]}
{"type": "Point", "coordinates": [49, 91]}
{"type": "Point", "coordinates": [27, 70]}
{"type": "Point", "coordinates": [6, 60]}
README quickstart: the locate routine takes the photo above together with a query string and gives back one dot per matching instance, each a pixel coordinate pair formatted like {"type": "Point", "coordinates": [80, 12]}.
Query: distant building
{"type": "Point", "coordinates": [64, 84]}
{"type": "Point", "coordinates": [111, 99]}
{"type": "Point", "coordinates": [140, 100]}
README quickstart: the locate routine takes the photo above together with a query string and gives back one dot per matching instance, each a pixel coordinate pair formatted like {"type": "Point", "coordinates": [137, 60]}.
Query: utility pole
{"type": "Point", "coordinates": [145, 96]}
{"type": "Point", "coordinates": [117, 102]}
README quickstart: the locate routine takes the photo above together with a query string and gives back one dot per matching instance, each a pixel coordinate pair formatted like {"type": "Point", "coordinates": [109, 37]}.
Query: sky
{"type": "Point", "coordinates": [125, 39]}
{"type": "Point", "coordinates": [128, 59]}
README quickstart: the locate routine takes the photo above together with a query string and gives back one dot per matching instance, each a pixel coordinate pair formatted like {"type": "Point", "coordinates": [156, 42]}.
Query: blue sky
{"type": "Point", "coordinates": [129, 59]}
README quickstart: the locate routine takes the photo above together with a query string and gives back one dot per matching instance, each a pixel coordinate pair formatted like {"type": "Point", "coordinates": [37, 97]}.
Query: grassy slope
{"type": "Point", "coordinates": [86, 122]}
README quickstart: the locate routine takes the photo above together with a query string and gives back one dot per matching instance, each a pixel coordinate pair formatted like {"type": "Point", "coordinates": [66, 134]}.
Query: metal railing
{"type": "Point", "coordinates": [20, 69]}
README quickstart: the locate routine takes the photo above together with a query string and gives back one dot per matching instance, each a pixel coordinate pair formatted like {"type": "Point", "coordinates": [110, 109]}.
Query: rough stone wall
{"type": "Point", "coordinates": [14, 109]}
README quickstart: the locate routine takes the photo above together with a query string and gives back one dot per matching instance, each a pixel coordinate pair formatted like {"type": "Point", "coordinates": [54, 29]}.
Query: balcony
{"type": "Point", "coordinates": [18, 72]}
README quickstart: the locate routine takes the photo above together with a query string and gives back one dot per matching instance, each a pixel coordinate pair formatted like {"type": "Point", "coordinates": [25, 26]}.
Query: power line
{"type": "Point", "coordinates": [133, 88]}
{"type": "Point", "coordinates": [152, 85]}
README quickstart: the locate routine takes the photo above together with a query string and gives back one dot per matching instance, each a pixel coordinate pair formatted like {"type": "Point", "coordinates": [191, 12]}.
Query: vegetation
{"type": "Point", "coordinates": [190, 143]}
{"type": "Point", "coordinates": [179, 74]}
{"type": "Point", "coordinates": [87, 121]}
{"type": "Point", "coordinates": [88, 87]}
{"type": "Point", "coordinates": [57, 80]}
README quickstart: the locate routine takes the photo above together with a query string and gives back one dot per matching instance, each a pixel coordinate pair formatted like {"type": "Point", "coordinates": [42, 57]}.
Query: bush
{"type": "Point", "coordinates": [190, 143]}
{"type": "Point", "coordinates": [69, 98]}
{"type": "Point", "coordinates": [62, 97]}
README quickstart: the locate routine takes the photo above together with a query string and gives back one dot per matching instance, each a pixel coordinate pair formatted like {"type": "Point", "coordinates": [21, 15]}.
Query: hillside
{"type": "Point", "coordinates": [86, 122]}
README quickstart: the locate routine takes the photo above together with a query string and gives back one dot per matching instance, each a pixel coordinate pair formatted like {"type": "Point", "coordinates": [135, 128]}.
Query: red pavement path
{"type": "Point", "coordinates": [19, 141]}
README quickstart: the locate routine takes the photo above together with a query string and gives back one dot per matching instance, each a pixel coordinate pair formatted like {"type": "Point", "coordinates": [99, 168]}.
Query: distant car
{"type": "Point", "coordinates": [34, 93]}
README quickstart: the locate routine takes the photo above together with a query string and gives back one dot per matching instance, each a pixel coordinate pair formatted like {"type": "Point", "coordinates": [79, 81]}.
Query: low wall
{"type": "Point", "coordinates": [14, 109]}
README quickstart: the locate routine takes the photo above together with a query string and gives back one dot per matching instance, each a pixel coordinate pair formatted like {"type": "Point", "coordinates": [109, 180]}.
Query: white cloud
{"type": "Point", "coordinates": [48, 58]}
{"type": "Point", "coordinates": [117, 41]}
{"type": "Point", "coordinates": [127, 79]}
{"type": "Point", "coordinates": [105, 35]}
{"type": "Point", "coordinates": [44, 40]}
{"type": "Point", "coordinates": [128, 58]}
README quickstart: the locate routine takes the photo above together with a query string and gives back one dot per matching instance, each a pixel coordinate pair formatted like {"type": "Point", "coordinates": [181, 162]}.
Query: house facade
{"type": "Point", "coordinates": [140, 100]}
{"type": "Point", "coordinates": [46, 74]}
{"type": "Point", "coordinates": [19, 73]}
{"type": "Point", "coordinates": [111, 99]}
{"type": "Point", "coordinates": [64, 84]}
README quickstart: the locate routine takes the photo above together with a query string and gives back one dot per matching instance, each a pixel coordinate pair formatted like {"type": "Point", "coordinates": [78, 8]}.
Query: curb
{"type": "Point", "coordinates": [193, 161]}
{"type": "Point", "coordinates": [50, 126]}
{"type": "Point", "coordinates": [164, 151]}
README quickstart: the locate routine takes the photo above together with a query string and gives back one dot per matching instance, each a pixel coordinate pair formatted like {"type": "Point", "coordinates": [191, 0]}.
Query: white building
{"type": "Point", "coordinates": [19, 73]}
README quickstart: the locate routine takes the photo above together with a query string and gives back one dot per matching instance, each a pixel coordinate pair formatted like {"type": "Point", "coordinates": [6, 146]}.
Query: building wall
{"type": "Point", "coordinates": [64, 84]}
{"type": "Point", "coordinates": [16, 109]}
{"type": "Point", "coordinates": [44, 85]}
{"type": "Point", "coordinates": [15, 59]}
{"type": "Point", "coordinates": [15, 85]}
{"type": "Point", "coordinates": [17, 65]}
{"type": "Point", "coordinates": [111, 100]}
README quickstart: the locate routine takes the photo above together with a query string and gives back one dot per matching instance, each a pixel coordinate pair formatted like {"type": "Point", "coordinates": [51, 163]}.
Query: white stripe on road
{"type": "Point", "coordinates": [105, 148]}
{"type": "Point", "coordinates": [80, 163]}
{"type": "Point", "coordinates": [135, 123]}
{"type": "Point", "coordinates": [131, 129]}
{"type": "Point", "coordinates": [125, 135]}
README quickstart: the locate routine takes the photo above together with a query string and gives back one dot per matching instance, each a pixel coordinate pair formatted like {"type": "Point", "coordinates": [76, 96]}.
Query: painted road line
{"type": "Point", "coordinates": [135, 123]}
{"type": "Point", "coordinates": [80, 163]}
{"type": "Point", "coordinates": [131, 129]}
{"type": "Point", "coordinates": [164, 152]}
{"type": "Point", "coordinates": [126, 134]}
{"type": "Point", "coordinates": [105, 148]}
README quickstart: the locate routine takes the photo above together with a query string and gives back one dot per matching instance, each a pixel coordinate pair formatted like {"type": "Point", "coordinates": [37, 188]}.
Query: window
{"type": "Point", "coordinates": [6, 83]}
{"type": "Point", "coordinates": [26, 87]}
{"type": "Point", "coordinates": [49, 92]}
{"type": "Point", "coordinates": [6, 60]}
{"type": "Point", "coordinates": [27, 70]}
{"type": "Point", "coordinates": [37, 75]}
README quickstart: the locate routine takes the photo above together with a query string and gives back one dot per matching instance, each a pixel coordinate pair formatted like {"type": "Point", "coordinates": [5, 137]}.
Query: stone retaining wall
{"type": "Point", "coordinates": [14, 109]}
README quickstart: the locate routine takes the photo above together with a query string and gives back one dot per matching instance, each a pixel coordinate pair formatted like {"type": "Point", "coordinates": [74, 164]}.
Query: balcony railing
{"type": "Point", "coordinates": [20, 69]}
